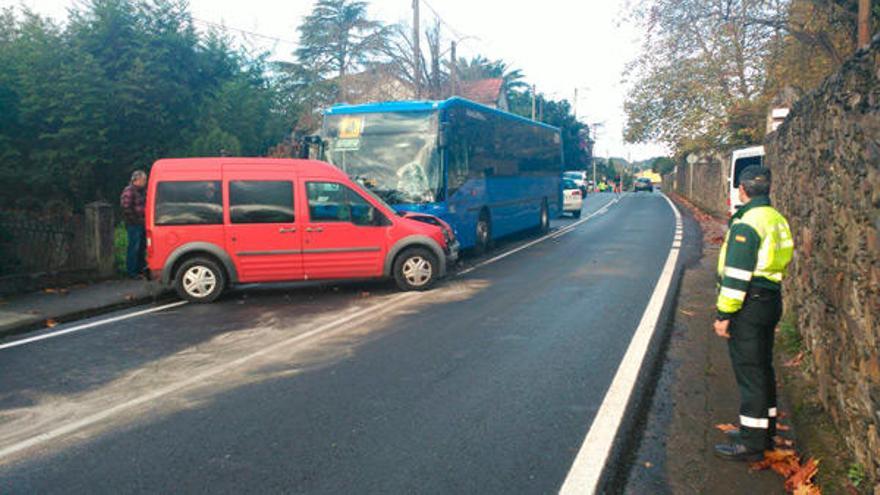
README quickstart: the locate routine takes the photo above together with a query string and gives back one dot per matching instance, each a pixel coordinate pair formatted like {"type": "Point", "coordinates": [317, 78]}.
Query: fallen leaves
{"type": "Point", "coordinates": [50, 323]}
{"type": "Point", "coordinates": [61, 292]}
{"type": "Point", "coordinates": [786, 463]}
{"type": "Point", "coordinates": [687, 313]}
{"type": "Point", "coordinates": [795, 361]}
{"type": "Point", "coordinates": [803, 477]}
{"type": "Point", "coordinates": [726, 427]}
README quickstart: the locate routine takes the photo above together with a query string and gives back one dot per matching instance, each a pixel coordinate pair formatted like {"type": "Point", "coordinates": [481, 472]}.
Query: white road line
{"type": "Point", "coordinates": [539, 240]}
{"type": "Point", "coordinates": [93, 324]}
{"type": "Point", "coordinates": [586, 471]}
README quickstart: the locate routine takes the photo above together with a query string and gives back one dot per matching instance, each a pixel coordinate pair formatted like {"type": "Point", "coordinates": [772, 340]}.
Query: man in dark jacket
{"type": "Point", "coordinates": [133, 202]}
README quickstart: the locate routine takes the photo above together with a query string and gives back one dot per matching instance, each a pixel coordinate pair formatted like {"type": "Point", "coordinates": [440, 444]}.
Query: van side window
{"type": "Point", "coordinates": [261, 201]}
{"type": "Point", "coordinates": [331, 202]}
{"type": "Point", "coordinates": [189, 203]}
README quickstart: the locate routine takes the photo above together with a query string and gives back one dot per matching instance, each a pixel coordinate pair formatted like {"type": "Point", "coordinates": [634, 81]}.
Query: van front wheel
{"type": "Point", "coordinates": [416, 269]}
{"type": "Point", "coordinates": [199, 280]}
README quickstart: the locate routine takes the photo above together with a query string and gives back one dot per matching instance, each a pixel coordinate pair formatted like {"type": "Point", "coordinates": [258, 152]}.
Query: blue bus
{"type": "Point", "coordinates": [486, 172]}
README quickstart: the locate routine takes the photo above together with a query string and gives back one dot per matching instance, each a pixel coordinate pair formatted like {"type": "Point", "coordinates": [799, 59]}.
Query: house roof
{"type": "Point", "coordinates": [485, 91]}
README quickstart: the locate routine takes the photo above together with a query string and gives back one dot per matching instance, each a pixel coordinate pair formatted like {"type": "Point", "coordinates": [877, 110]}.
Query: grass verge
{"type": "Point", "coordinates": [816, 434]}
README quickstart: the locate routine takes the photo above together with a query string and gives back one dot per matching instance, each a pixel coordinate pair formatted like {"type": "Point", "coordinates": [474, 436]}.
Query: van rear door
{"type": "Point", "coordinates": [263, 233]}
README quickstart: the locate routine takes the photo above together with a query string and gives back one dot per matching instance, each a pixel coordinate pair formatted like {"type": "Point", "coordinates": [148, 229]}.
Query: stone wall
{"type": "Point", "coordinates": [41, 250]}
{"type": "Point", "coordinates": [826, 164]}
{"type": "Point", "coordinates": [703, 179]}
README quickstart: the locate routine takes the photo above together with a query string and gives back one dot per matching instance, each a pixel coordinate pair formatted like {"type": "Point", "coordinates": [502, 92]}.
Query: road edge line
{"type": "Point", "coordinates": [591, 465]}
{"type": "Point", "coordinates": [85, 326]}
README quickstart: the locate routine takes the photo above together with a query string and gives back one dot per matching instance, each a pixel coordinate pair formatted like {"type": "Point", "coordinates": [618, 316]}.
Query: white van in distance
{"type": "Point", "coordinates": [740, 159]}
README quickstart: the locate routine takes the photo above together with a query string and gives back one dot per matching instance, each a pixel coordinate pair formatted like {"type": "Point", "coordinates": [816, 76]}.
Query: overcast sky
{"type": "Point", "coordinates": [559, 44]}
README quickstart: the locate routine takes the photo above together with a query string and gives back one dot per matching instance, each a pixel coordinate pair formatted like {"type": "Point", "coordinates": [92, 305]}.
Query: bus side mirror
{"type": "Point", "coordinates": [443, 135]}
{"type": "Point", "coordinates": [306, 142]}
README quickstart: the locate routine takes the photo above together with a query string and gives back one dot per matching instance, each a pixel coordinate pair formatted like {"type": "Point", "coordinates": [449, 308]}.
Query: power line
{"type": "Point", "coordinates": [457, 33]}
{"type": "Point", "coordinates": [246, 32]}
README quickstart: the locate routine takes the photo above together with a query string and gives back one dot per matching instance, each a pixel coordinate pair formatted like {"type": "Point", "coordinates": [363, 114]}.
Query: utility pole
{"type": "Point", "coordinates": [595, 128]}
{"type": "Point", "coordinates": [575, 104]}
{"type": "Point", "coordinates": [417, 52]}
{"type": "Point", "coordinates": [534, 91]}
{"type": "Point", "coordinates": [864, 23]}
{"type": "Point", "coordinates": [453, 71]}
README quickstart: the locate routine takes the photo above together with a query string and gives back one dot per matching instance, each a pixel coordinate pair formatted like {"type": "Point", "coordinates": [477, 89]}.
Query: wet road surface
{"type": "Point", "coordinates": [486, 384]}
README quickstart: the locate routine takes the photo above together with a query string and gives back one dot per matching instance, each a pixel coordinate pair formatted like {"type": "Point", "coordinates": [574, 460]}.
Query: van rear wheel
{"type": "Point", "coordinates": [199, 280]}
{"type": "Point", "coordinates": [416, 269]}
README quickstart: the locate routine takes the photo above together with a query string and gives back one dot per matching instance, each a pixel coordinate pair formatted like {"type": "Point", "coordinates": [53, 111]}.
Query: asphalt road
{"type": "Point", "coordinates": [486, 384]}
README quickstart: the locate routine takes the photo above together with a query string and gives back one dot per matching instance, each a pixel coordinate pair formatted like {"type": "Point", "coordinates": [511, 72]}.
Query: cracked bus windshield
{"type": "Point", "coordinates": [393, 154]}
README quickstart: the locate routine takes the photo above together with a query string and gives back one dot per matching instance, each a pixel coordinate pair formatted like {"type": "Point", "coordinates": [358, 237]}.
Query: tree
{"type": "Point", "coordinates": [337, 38]}
{"type": "Point", "coordinates": [123, 83]}
{"type": "Point", "coordinates": [479, 67]}
{"type": "Point", "coordinates": [698, 61]}
{"type": "Point", "coordinates": [662, 165]}
{"type": "Point", "coordinates": [709, 69]}
{"type": "Point", "coordinates": [399, 54]}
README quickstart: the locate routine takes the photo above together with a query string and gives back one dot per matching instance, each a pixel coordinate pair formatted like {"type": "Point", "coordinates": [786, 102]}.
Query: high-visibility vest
{"type": "Point", "coordinates": [774, 252]}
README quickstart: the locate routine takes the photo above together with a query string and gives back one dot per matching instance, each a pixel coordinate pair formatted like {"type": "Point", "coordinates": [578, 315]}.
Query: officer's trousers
{"type": "Point", "coordinates": [751, 351]}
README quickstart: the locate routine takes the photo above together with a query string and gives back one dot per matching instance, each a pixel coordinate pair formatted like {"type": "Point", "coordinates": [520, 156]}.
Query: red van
{"type": "Point", "coordinates": [216, 222]}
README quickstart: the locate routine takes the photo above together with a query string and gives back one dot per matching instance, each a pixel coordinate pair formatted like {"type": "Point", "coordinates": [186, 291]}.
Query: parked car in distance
{"type": "Point", "coordinates": [580, 178]}
{"type": "Point", "coordinates": [572, 198]}
{"type": "Point", "coordinates": [216, 222]}
{"type": "Point", "coordinates": [643, 184]}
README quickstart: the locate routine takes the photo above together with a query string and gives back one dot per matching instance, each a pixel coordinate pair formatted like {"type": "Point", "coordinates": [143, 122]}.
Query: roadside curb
{"type": "Point", "coordinates": [38, 322]}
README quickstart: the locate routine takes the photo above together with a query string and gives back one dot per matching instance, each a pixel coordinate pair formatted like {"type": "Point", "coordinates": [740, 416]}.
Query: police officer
{"type": "Point", "coordinates": [752, 263]}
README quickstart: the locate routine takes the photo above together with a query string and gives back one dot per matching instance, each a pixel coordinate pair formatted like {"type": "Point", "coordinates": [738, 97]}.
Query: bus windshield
{"type": "Point", "coordinates": [393, 154]}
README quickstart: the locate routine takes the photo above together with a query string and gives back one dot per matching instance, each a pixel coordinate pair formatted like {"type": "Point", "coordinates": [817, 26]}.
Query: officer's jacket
{"type": "Point", "coordinates": [756, 250]}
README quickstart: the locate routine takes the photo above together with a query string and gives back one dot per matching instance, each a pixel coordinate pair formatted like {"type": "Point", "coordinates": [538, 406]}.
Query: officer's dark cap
{"type": "Point", "coordinates": [755, 173]}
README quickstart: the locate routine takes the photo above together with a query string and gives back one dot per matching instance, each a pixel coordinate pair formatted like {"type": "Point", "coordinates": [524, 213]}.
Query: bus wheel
{"type": "Point", "coordinates": [545, 218]}
{"type": "Point", "coordinates": [484, 233]}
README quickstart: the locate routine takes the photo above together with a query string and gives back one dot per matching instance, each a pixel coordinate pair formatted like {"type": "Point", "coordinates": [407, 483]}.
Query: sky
{"type": "Point", "coordinates": [559, 45]}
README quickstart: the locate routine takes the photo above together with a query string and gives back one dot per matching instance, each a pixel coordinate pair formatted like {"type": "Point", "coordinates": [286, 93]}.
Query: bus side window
{"type": "Point", "coordinates": [460, 152]}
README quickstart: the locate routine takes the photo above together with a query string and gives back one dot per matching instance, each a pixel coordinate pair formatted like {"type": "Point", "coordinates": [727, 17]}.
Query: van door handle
{"type": "Point", "coordinates": [286, 231]}
{"type": "Point", "coordinates": [316, 229]}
